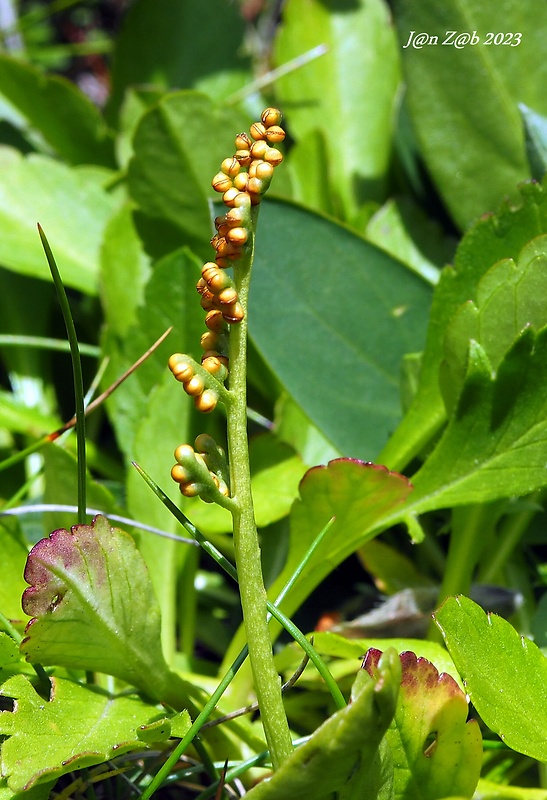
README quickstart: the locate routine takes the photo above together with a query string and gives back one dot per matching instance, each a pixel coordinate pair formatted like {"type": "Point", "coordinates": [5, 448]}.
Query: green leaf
{"type": "Point", "coordinates": [356, 495]}
{"type": "Point", "coordinates": [124, 271]}
{"type": "Point", "coordinates": [14, 554]}
{"type": "Point", "coordinates": [164, 424]}
{"type": "Point", "coordinates": [342, 754]}
{"type": "Point", "coordinates": [61, 486]}
{"type": "Point", "coordinates": [480, 108]}
{"type": "Point", "coordinates": [435, 752]}
{"type": "Point", "coordinates": [509, 297]}
{"type": "Point", "coordinates": [57, 110]}
{"type": "Point", "coordinates": [488, 790]}
{"type": "Point", "coordinates": [169, 300]}
{"type": "Point", "coordinates": [93, 607]}
{"type": "Point", "coordinates": [491, 239]}
{"type": "Point", "coordinates": [505, 675]}
{"type": "Point", "coordinates": [405, 232]}
{"type": "Point", "coordinates": [149, 51]}
{"type": "Point", "coordinates": [85, 725]}
{"type": "Point", "coordinates": [327, 291]}
{"type": "Point", "coordinates": [495, 446]}
{"type": "Point", "coordinates": [347, 93]}
{"type": "Point", "coordinates": [178, 147]}
{"type": "Point", "coordinates": [535, 129]}
{"type": "Point", "coordinates": [69, 204]}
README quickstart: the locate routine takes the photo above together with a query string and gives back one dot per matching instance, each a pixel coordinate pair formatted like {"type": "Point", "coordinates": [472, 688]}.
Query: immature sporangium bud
{"type": "Point", "coordinates": [195, 386]}
{"type": "Point", "coordinates": [264, 171]}
{"type": "Point", "coordinates": [230, 166]}
{"type": "Point", "coordinates": [243, 141]}
{"type": "Point", "coordinates": [206, 401]}
{"type": "Point", "coordinates": [257, 130]}
{"type": "Point", "coordinates": [221, 182]}
{"type": "Point", "coordinates": [270, 117]}
{"type": "Point", "coordinates": [237, 236]}
{"type": "Point", "coordinates": [233, 313]}
{"type": "Point", "coordinates": [274, 134]}
{"type": "Point", "coordinates": [273, 156]}
{"type": "Point", "coordinates": [215, 321]}
{"type": "Point", "coordinates": [240, 181]}
{"type": "Point", "coordinates": [181, 367]}
{"type": "Point", "coordinates": [244, 157]}
{"type": "Point", "coordinates": [229, 196]}
{"type": "Point", "coordinates": [259, 148]}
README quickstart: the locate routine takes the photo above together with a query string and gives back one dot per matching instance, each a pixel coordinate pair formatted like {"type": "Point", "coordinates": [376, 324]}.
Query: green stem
{"type": "Point", "coordinates": [471, 526]}
{"type": "Point", "coordinates": [512, 529]}
{"type": "Point", "coordinates": [246, 545]}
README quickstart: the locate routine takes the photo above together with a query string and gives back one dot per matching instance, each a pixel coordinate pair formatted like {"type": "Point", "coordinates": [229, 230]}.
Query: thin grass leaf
{"type": "Point", "coordinates": [77, 374]}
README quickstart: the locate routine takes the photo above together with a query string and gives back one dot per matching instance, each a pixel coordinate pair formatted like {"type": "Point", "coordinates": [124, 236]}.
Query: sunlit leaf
{"type": "Point", "coordinates": [69, 204]}
{"type": "Point", "coordinates": [75, 727]}
{"type": "Point", "coordinates": [333, 317]}
{"type": "Point", "coordinates": [478, 109]}
{"type": "Point", "coordinates": [93, 608]}
{"type": "Point", "coordinates": [347, 93]}
{"type": "Point", "coordinates": [505, 675]}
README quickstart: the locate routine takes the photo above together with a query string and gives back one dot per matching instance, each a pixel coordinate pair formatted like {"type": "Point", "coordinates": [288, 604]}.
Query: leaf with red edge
{"type": "Point", "coordinates": [435, 752]}
{"type": "Point", "coordinates": [358, 495]}
{"type": "Point", "coordinates": [94, 608]}
{"type": "Point", "coordinates": [77, 726]}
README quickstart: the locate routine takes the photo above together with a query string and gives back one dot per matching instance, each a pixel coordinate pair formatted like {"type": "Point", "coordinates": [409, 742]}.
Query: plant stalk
{"type": "Point", "coordinates": [246, 545]}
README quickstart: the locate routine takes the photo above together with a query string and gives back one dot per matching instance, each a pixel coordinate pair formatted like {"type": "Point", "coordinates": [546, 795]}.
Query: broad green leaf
{"type": "Point", "coordinates": [165, 423]}
{"type": "Point", "coordinates": [495, 446]}
{"type": "Point", "coordinates": [14, 555]}
{"type": "Point", "coordinates": [17, 417]}
{"type": "Point", "coordinates": [491, 239]}
{"type": "Point", "coordinates": [178, 148]}
{"type": "Point", "coordinates": [70, 206]}
{"type": "Point", "coordinates": [58, 111]}
{"type": "Point", "coordinates": [347, 94]}
{"type": "Point", "coordinates": [93, 608]}
{"type": "Point", "coordinates": [505, 675]}
{"type": "Point", "coordinates": [78, 726]}
{"type": "Point", "coordinates": [169, 300]}
{"type": "Point", "coordinates": [435, 752]}
{"type": "Point", "coordinates": [390, 569]}
{"type": "Point", "coordinates": [26, 306]}
{"type": "Point", "coordinates": [535, 128]}
{"type": "Point", "coordinates": [307, 166]}
{"type": "Point", "coordinates": [489, 790]}
{"type": "Point", "coordinates": [342, 754]}
{"type": "Point", "coordinates": [61, 487]}
{"type": "Point", "coordinates": [509, 297]}
{"type": "Point", "coordinates": [136, 102]}
{"type": "Point", "coordinates": [333, 316]}
{"type": "Point", "coordinates": [124, 271]}
{"type": "Point", "coordinates": [152, 48]}
{"type": "Point", "coordinates": [403, 230]}
{"type": "Point", "coordinates": [480, 107]}
{"type": "Point", "coordinates": [294, 427]}
{"type": "Point", "coordinates": [356, 494]}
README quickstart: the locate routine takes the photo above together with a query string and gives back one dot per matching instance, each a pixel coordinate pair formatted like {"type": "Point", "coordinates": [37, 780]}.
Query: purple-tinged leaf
{"type": "Point", "coordinates": [94, 608]}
